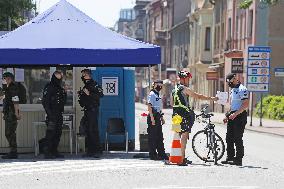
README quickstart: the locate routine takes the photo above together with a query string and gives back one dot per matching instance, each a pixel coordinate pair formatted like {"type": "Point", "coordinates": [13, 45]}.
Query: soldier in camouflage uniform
{"type": "Point", "coordinates": [11, 113]}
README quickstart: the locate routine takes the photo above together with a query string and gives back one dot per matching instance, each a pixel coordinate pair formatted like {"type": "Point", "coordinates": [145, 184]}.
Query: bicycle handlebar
{"type": "Point", "coordinates": [205, 115]}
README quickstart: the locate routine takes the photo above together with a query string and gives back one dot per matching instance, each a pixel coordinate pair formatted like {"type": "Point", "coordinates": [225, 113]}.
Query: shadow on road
{"type": "Point", "coordinates": [253, 167]}
{"type": "Point", "coordinates": [111, 155]}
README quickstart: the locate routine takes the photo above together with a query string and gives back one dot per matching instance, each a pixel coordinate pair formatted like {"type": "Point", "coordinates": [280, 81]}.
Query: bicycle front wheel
{"type": "Point", "coordinates": [201, 146]}
{"type": "Point", "coordinates": [219, 146]}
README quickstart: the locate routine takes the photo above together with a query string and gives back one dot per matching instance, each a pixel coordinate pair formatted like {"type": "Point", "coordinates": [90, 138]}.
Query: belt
{"type": "Point", "coordinates": [231, 112]}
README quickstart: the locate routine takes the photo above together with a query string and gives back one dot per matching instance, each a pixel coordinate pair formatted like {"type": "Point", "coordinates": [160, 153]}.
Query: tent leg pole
{"type": "Point", "coordinates": [149, 76]}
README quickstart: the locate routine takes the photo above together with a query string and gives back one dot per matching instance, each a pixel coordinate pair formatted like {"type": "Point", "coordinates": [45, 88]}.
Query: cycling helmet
{"type": "Point", "coordinates": [184, 74]}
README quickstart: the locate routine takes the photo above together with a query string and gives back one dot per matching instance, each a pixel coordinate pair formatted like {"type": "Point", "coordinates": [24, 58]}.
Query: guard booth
{"type": "Point", "coordinates": [76, 40]}
{"type": "Point", "coordinates": [118, 85]}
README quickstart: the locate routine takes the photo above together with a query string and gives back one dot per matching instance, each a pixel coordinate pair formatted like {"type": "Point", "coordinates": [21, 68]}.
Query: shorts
{"type": "Point", "coordinates": [188, 119]}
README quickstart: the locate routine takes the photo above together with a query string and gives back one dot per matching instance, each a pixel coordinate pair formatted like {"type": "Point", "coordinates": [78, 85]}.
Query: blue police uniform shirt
{"type": "Point", "coordinates": [155, 100]}
{"type": "Point", "coordinates": [237, 97]}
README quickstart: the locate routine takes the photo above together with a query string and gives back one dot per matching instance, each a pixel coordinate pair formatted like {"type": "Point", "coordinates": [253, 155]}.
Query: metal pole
{"type": "Point", "coordinates": [160, 71]}
{"type": "Point", "coordinates": [260, 123]}
{"type": "Point", "coordinates": [149, 76]}
{"type": "Point", "coordinates": [9, 23]}
{"type": "Point", "coordinates": [251, 108]}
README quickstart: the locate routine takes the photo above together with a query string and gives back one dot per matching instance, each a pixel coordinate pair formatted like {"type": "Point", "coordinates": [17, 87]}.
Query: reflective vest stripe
{"type": "Point", "coordinates": [176, 99]}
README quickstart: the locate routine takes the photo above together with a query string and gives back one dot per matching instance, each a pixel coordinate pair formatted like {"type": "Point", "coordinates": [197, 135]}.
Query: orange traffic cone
{"type": "Point", "coordinates": [175, 155]}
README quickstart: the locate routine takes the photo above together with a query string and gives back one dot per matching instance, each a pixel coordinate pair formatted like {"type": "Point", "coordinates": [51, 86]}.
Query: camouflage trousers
{"type": "Point", "coordinates": [10, 131]}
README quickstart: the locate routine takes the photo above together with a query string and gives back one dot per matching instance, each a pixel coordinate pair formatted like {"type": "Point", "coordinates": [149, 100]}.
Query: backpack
{"type": "Point", "coordinates": [22, 93]}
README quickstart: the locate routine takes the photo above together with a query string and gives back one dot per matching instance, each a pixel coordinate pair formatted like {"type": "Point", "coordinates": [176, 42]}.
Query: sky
{"type": "Point", "coordinates": [105, 12]}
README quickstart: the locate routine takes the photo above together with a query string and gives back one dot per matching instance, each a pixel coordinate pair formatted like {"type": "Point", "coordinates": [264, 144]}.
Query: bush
{"type": "Point", "coordinates": [272, 107]}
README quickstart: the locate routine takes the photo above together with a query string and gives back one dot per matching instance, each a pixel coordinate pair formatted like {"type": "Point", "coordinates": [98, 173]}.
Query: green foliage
{"type": "Point", "coordinates": [246, 3]}
{"type": "Point", "coordinates": [273, 107]}
{"type": "Point", "coordinates": [14, 9]}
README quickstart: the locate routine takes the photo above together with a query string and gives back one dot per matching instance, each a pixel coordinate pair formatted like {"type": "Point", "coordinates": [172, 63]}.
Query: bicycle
{"type": "Point", "coordinates": [211, 143]}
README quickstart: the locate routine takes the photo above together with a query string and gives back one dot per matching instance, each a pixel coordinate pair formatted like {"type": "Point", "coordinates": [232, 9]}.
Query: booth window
{"type": "Point", "coordinates": [36, 79]}
{"type": "Point", "coordinates": [68, 83]}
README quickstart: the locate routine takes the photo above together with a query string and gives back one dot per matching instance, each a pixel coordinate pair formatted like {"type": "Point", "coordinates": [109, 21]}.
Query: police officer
{"type": "Point", "coordinates": [11, 113]}
{"type": "Point", "coordinates": [155, 121]}
{"type": "Point", "coordinates": [89, 99]}
{"type": "Point", "coordinates": [54, 99]}
{"type": "Point", "coordinates": [181, 106]}
{"type": "Point", "coordinates": [236, 120]}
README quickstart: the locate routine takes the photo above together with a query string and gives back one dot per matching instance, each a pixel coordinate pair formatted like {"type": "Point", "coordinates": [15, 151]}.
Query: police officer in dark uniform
{"type": "Point", "coordinates": [236, 120]}
{"type": "Point", "coordinates": [89, 100]}
{"type": "Point", "coordinates": [11, 113]}
{"type": "Point", "coordinates": [155, 121]}
{"type": "Point", "coordinates": [54, 99]}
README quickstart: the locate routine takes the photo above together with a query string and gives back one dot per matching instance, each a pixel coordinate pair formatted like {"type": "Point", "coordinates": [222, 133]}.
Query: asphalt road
{"type": "Point", "coordinates": [263, 167]}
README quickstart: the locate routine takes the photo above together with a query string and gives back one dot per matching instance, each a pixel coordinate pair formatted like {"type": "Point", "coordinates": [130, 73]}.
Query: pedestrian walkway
{"type": "Point", "coordinates": [269, 126]}
{"type": "Point", "coordinates": [108, 162]}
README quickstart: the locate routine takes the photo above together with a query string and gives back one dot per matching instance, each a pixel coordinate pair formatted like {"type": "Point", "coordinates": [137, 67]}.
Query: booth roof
{"type": "Point", "coordinates": [65, 35]}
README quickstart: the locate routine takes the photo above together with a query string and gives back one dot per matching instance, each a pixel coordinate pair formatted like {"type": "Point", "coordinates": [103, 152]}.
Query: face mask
{"type": "Point", "coordinates": [59, 82]}
{"type": "Point", "coordinates": [83, 79]}
{"type": "Point", "coordinates": [158, 88]}
{"type": "Point", "coordinates": [230, 84]}
{"type": "Point", "coordinates": [56, 81]}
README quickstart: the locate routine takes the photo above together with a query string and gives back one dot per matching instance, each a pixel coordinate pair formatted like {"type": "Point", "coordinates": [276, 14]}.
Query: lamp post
{"type": "Point", "coordinates": [165, 6]}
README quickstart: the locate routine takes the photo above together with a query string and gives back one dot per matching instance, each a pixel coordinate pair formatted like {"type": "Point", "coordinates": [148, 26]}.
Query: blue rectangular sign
{"type": "Point", "coordinates": [258, 68]}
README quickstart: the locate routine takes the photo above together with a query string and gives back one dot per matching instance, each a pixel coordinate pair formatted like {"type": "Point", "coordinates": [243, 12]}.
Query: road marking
{"type": "Point", "coordinates": [201, 187]}
{"type": "Point", "coordinates": [64, 166]}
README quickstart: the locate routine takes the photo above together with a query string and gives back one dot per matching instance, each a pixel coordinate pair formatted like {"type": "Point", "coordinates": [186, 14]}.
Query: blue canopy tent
{"type": "Point", "coordinates": [63, 35]}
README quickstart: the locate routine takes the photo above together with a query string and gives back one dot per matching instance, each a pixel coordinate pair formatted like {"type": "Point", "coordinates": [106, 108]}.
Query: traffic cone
{"type": "Point", "coordinates": [175, 155]}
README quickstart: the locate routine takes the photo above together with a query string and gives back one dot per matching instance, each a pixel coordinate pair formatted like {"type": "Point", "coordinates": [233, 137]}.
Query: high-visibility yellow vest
{"type": "Point", "coordinates": [177, 102]}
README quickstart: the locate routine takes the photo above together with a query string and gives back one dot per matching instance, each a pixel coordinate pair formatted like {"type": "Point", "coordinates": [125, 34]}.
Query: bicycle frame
{"type": "Point", "coordinates": [211, 140]}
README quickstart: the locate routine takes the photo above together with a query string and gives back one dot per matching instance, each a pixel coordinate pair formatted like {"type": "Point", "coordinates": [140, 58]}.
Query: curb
{"type": "Point", "coordinates": [252, 130]}
{"type": "Point", "coordinates": [248, 129]}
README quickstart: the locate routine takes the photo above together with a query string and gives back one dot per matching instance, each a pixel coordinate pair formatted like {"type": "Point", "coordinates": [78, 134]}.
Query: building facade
{"type": "Point", "coordinates": [200, 50]}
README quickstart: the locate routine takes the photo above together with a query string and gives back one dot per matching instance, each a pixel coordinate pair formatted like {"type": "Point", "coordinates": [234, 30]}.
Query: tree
{"type": "Point", "coordinates": [12, 13]}
{"type": "Point", "coordinates": [246, 3]}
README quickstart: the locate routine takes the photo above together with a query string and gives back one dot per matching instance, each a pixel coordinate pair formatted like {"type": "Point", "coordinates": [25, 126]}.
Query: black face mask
{"type": "Point", "coordinates": [230, 84]}
{"type": "Point", "coordinates": [83, 79]}
{"type": "Point", "coordinates": [158, 88]}
{"type": "Point", "coordinates": [56, 81]}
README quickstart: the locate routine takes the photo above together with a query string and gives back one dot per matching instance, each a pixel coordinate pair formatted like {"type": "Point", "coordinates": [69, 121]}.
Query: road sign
{"type": "Point", "coordinates": [258, 68]}
{"type": "Point", "coordinates": [279, 72]}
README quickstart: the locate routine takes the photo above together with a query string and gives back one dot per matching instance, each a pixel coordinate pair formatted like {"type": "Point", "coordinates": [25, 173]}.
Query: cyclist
{"type": "Point", "coordinates": [180, 103]}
